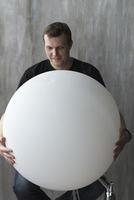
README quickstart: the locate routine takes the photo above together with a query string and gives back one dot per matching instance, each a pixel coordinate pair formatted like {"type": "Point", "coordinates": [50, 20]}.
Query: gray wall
{"type": "Point", "coordinates": [103, 33]}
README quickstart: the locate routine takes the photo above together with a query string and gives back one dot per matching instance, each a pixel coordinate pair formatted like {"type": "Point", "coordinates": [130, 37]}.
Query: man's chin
{"type": "Point", "coordinates": [57, 65]}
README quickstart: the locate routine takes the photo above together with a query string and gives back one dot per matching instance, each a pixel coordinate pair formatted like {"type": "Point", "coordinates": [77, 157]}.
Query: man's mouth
{"type": "Point", "coordinates": [56, 59]}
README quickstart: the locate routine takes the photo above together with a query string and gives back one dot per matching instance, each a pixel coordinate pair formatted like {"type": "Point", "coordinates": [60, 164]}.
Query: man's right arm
{"type": "Point", "coordinates": [4, 151]}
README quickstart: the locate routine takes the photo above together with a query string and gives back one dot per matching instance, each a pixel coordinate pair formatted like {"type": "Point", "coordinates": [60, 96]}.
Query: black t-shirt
{"type": "Point", "coordinates": [77, 66]}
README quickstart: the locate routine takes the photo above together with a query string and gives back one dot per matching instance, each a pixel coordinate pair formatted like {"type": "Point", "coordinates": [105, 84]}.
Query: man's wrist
{"type": "Point", "coordinates": [128, 134]}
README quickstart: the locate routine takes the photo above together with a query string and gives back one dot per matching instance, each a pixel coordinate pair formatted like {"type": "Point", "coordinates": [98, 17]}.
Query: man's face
{"type": "Point", "coordinates": [58, 51]}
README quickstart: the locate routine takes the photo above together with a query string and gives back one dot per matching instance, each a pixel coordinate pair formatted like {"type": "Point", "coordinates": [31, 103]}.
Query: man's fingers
{"type": "Point", "coordinates": [118, 148]}
{"type": "Point", "coordinates": [116, 156]}
{"type": "Point", "coordinates": [5, 149]}
{"type": "Point", "coordinates": [9, 156]}
{"type": "Point", "coordinates": [117, 151]}
{"type": "Point", "coordinates": [7, 153]}
{"type": "Point", "coordinates": [10, 161]}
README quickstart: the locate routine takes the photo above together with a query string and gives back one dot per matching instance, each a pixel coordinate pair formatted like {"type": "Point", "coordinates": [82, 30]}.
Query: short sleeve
{"type": "Point", "coordinates": [25, 77]}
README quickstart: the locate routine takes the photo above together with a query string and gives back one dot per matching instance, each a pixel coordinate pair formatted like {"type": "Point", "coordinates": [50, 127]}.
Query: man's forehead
{"type": "Point", "coordinates": [51, 40]}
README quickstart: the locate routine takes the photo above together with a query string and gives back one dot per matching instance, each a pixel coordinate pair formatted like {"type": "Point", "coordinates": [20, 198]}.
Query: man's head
{"type": "Point", "coordinates": [58, 42]}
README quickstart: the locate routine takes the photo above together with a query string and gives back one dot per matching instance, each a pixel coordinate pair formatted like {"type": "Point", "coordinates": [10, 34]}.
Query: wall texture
{"type": "Point", "coordinates": [103, 33]}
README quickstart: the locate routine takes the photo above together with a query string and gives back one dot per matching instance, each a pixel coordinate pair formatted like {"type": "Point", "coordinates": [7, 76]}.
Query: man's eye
{"type": "Point", "coordinates": [60, 48]}
{"type": "Point", "coordinates": [49, 48]}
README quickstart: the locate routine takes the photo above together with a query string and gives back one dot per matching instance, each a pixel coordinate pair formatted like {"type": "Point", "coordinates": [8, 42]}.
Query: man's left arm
{"type": "Point", "coordinates": [124, 137]}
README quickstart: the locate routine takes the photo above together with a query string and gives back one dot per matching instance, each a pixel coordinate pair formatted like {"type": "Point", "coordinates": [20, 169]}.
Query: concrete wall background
{"type": "Point", "coordinates": [103, 34]}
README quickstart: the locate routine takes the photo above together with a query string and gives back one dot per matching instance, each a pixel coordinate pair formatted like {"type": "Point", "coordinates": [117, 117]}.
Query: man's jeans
{"type": "Point", "coordinates": [26, 190]}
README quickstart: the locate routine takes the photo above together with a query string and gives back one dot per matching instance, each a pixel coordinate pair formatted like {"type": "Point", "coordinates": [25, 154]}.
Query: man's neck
{"type": "Point", "coordinates": [65, 67]}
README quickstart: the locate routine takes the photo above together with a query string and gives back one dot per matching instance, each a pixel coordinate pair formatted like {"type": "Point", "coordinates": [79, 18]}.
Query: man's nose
{"type": "Point", "coordinates": [54, 52]}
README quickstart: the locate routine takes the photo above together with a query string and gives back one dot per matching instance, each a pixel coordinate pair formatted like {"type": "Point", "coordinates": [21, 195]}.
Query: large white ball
{"type": "Point", "coordinates": [62, 127]}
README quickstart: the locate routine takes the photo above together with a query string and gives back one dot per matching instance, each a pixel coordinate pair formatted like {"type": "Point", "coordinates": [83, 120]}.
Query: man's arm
{"type": "Point", "coordinates": [124, 137]}
{"type": "Point", "coordinates": [4, 151]}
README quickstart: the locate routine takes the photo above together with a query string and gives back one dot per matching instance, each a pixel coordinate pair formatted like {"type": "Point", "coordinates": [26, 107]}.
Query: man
{"type": "Point", "coordinates": [57, 43]}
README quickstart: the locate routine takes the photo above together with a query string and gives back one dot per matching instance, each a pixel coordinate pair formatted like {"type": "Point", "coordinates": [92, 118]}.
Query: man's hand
{"type": "Point", "coordinates": [6, 152]}
{"type": "Point", "coordinates": [120, 144]}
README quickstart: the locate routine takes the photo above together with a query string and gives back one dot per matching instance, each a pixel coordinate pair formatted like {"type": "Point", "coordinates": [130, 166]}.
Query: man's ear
{"type": "Point", "coordinates": [71, 44]}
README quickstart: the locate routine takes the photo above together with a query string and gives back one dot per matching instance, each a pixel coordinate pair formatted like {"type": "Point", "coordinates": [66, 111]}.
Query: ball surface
{"type": "Point", "coordinates": [62, 127]}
